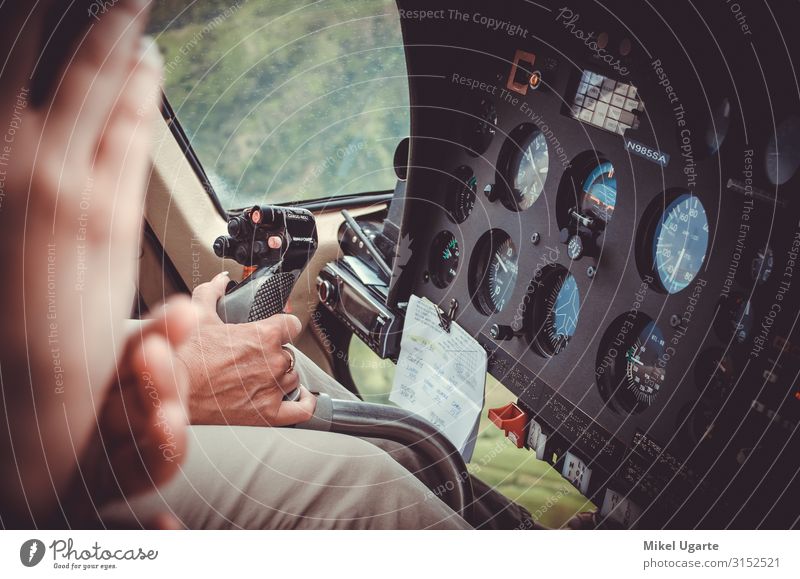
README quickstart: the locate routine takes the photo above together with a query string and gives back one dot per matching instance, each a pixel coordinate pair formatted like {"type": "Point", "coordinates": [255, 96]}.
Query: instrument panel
{"type": "Point", "coordinates": [613, 235]}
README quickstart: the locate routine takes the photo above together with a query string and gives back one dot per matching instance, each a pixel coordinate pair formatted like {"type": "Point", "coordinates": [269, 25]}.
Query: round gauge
{"type": "Point", "coordinates": [734, 318]}
{"type": "Point", "coordinates": [680, 243]}
{"type": "Point", "coordinates": [644, 371]}
{"type": "Point", "coordinates": [630, 375]}
{"type": "Point", "coordinates": [714, 374]}
{"type": "Point", "coordinates": [482, 126]}
{"type": "Point", "coordinates": [443, 259]}
{"type": "Point", "coordinates": [493, 271]}
{"type": "Point", "coordinates": [555, 306]}
{"type": "Point", "coordinates": [600, 192]}
{"type": "Point", "coordinates": [524, 166]}
{"type": "Point", "coordinates": [461, 194]}
{"type": "Point", "coordinates": [762, 265]}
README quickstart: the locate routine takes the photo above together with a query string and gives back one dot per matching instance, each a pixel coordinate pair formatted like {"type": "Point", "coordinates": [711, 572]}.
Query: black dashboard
{"type": "Point", "coordinates": [604, 194]}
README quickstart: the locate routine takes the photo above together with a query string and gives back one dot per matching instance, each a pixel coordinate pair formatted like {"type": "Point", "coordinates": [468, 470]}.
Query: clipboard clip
{"type": "Point", "coordinates": [446, 319]}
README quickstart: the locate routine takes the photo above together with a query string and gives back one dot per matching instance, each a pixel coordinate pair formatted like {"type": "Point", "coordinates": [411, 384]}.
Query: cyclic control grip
{"type": "Point", "coordinates": [278, 242]}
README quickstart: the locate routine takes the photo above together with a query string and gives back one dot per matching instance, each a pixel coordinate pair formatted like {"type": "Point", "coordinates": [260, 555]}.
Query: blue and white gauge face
{"type": "Point", "coordinates": [556, 308]}
{"type": "Point", "coordinates": [566, 308]}
{"type": "Point", "coordinates": [680, 243]}
{"type": "Point", "coordinates": [600, 191]}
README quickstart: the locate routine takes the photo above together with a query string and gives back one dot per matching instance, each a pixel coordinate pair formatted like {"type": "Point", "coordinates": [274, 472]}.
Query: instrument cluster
{"type": "Point", "coordinates": [612, 248]}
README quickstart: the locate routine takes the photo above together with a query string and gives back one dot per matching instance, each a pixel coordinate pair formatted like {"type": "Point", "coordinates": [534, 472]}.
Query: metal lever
{"type": "Point", "coordinates": [371, 249]}
{"type": "Point", "coordinates": [357, 418]}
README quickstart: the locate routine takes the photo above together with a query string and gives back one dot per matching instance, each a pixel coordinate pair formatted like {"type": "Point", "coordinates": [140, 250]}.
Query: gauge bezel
{"type": "Point", "coordinates": [486, 247]}
{"type": "Point", "coordinates": [511, 154]}
{"type": "Point", "coordinates": [459, 182]}
{"type": "Point", "coordinates": [611, 369]}
{"type": "Point", "coordinates": [433, 254]}
{"type": "Point", "coordinates": [646, 233]}
{"type": "Point", "coordinates": [571, 192]}
{"type": "Point", "coordinates": [538, 311]}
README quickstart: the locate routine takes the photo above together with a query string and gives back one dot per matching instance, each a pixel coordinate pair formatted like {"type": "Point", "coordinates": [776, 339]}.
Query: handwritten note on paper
{"type": "Point", "coordinates": [440, 376]}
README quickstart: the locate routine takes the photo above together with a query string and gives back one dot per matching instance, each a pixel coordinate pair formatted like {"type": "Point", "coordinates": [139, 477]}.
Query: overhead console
{"type": "Point", "coordinates": [613, 212]}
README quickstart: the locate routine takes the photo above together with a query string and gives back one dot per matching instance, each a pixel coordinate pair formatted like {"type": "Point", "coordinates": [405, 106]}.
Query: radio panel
{"type": "Point", "coordinates": [360, 307]}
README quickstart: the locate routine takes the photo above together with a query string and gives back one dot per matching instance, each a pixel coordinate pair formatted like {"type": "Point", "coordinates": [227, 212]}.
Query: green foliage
{"type": "Point", "coordinates": [287, 100]}
{"type": "Point", "coordinates": [512, 471]}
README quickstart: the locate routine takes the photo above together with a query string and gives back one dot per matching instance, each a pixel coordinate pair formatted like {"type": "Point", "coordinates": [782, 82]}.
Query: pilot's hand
{"type": "Point", "coordinates": [75, 123]}
{"type": "Point", "coordinates": [238, 373]}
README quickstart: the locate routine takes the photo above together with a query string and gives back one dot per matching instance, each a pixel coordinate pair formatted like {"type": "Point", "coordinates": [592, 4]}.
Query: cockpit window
{"type": "Point", "coordinates": [285, 100]}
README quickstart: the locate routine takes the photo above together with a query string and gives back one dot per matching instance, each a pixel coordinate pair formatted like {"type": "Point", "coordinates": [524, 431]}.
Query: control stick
{"type": "Point", "coordinates": [278, 242]}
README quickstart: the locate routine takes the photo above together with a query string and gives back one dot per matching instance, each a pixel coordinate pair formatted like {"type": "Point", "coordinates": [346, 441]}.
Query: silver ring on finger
{"type": "Point", "coordinates": [288, 350]}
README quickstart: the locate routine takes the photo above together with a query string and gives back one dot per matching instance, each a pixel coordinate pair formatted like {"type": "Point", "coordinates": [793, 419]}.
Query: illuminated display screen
{"type": "Point", "coordinates": [606, 103]}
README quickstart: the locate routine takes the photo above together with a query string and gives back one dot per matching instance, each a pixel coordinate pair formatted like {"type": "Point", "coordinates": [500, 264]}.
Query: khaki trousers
{"type": "Point", "coordinates": [238, 477]}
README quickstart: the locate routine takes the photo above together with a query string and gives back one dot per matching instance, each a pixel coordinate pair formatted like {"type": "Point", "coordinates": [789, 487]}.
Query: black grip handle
{"type": "Point", "coordinates": [260, 296]}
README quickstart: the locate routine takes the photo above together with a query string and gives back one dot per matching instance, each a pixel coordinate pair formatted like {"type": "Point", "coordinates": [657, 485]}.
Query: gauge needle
{"type": "Point", "coordinates": [677, 264]}
{"type": "Point", "coordinates": [635, 359]}
{"type": "Point", "coordinates": [502, 264]}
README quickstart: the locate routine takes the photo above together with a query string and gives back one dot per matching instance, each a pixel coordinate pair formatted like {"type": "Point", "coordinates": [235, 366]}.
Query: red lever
{"type": "Point", "coordinates": [512, 420]}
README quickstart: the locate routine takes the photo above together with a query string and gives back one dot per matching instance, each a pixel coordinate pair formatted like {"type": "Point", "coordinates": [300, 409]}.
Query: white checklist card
{"type": "Point", "coordinates": [441, 376]}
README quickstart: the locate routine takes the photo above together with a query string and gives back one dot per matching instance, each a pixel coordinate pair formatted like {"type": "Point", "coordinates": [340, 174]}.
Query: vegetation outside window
{"type": "Point", "coordinates": [285, 100]}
